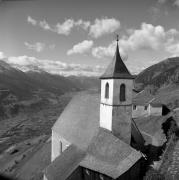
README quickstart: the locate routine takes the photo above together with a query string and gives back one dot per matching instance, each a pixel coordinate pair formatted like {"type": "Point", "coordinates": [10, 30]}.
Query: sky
{"type": "Point", "coordinates": [78, 37]}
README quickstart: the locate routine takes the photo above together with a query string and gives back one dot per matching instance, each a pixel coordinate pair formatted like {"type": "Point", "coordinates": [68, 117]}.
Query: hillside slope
{"type": "Point", "coordinates": [160, 74]}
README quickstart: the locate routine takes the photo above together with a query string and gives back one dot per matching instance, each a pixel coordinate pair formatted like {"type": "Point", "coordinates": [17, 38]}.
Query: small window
{"type": "Point", "coordinates": [134, 107]}
{"type": "Point", "coordinates": [87, 172]}
{"type": "Point", "coordinates": [101, 177]}
{"type": "Point", "coordinates": [107, 90]}
{"type": "Point", "coordinates": [145, 107]}
{"type": "Point", "coordinates": [122, 92]}
{"type": "Point", "coordinates": [61, 147]}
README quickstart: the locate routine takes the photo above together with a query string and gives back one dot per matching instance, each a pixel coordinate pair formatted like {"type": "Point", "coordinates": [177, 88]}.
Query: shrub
{"type": "Point", "coordinates": [153, 174]}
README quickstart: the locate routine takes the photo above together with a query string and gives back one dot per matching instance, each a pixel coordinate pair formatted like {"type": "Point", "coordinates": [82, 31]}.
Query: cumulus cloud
{"type": "Point", "coordinates": [172, 46]}
{"type": "Point", "coordinates": [43, 24]}
{"type": "Point", "coordinates": [38, 46]}
{"type": "Point", "coordinates": [26, 63]}
{"type": "Point", "coordinates": [31, 20]}
{"type": "Point", "coordinates": [81, 47]}
{"type": "Point", "coordinates": [65, 27]}
{"type": "Point", "coordinates": [173, 49]}
{"type": "Point", "coordinates": [104, 26]}
{"type": "Point", "coordinates": [60, 28]}
{"type": "Point", "coordinates": [83, 24]}
{"type": "Point", "coordinates": [2, 55]}
{"type": "Point", "coordinates": [97, 29]}
{"type": "Point", "coordinates": [108, 51]}
{"type": "Point", "coordinates": [146, 37]}
{"type": "Point", "coordinates": [176, 3]}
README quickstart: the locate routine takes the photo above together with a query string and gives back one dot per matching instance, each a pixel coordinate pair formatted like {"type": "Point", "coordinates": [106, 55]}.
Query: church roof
{"type": "Point", "coordinates": [105, 154]}
{"type": "Point", "coordinates": [143, 98]}
{"type": "Point", "coordinates": [80, 120]}
{"type": "Point", "coordinates": [117, 69]}
{"type": "Point", "coordinates": [109, 155]}
{"type": "Point", "coordinates": [65, 164]}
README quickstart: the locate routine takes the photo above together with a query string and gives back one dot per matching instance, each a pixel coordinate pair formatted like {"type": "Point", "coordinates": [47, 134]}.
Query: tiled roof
{"type": "Point", "coordinates": [109, 155]}
{"type": "Point", "coordinates": [105, 154]}
{"type": "Point", "coordinates": [142, 98]}
{"type": "Point", "coordinates": [80, 120]}
{"type": "Point", "coordinates": [117, 68]}
{"type": "Point", "coordinates": [65, 164]}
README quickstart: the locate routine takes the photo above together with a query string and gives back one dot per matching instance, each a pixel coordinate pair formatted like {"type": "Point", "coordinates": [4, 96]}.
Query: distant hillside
{"type": "Point", "coordinates": [24, 84]}
{"type": "Point", "coordinates": [158, 75]}
{"type": "Point", "coordinates": [85, 82]}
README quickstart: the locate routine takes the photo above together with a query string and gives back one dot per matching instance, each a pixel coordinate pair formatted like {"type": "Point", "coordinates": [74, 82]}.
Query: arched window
{"type": "Point", "coordinates": [122, 92]}
{"type": "Point", "coordinates": [107, 90]}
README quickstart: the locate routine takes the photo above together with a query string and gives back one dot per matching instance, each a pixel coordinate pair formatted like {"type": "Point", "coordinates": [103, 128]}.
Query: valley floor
{"type": "Point", "coordinates": [25, 140]}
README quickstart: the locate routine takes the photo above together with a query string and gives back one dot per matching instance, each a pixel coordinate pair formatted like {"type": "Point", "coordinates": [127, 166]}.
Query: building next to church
{"type": "Point", "coordinates": [146, 104]}
{"type": "Point", "coordinates": [92, 137]}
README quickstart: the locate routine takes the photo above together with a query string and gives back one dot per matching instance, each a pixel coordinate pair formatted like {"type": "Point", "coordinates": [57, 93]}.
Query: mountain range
{"type": "Point", "coordinates": [24, 84]}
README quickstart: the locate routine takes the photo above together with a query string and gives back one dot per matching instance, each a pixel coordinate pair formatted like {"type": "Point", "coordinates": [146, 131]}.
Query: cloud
{"type": "Point", "coordinates": [26, 63]}
{"type": "Point", "coordinates": [97, 29]}
{"type": "Point", "coordinates": [108, 51]}
{"type": "Point", "coordinates": [173, 49]}
{"type": "Point", "coordinates": [43, 24]}
{"type": "Point", "coordinates": [81, 47]}
{"type": "Point", "coordinates": [104, 26]}
{"type": "Point", "coordinates": [176, 3]}
{"type": "Point", "coordinates": [172, 46]}
{"type": "Point", "coordinates": [2, 55]}
{"type": "Point", "coordinates": [147, 37]}
{"type": "Point", "coordinates": [38, 46]}
{"type": "Point", "coordinates": [66, 27]}
{"type": "Point", "coordinates": [31, 20]}
{"type": "Point", "coordinates": [83, 24]}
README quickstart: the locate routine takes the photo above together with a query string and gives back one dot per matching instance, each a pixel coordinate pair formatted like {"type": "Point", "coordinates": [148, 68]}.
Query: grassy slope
{"type": "Point", "coordinates": [163, 73]}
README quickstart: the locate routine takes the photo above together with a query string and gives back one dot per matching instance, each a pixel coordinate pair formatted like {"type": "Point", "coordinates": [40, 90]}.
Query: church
{"type": "Point", "coordinates": [92, 138]}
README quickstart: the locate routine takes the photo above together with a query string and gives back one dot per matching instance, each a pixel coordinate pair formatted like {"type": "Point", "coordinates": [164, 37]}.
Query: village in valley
{"type": "Point", "coordinates": [98, 112]}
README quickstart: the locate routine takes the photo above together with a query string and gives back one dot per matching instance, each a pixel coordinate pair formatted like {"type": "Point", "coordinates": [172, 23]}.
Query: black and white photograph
{"type": "Point", "coordinates": [89, 89]}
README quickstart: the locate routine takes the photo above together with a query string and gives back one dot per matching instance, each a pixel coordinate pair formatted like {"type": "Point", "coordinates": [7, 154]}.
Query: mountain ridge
{"type": "Point", "coordinates": [160, 74]}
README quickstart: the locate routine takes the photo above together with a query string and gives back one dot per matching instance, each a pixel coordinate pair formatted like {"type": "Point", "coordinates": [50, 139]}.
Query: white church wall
{"type": "Point", "coordinates": [59, 144]}
{"type": "Point", "coordinates": [106, 116]}
{"type": "Point", "coordinates": [103, 84]}
{"type": "Point", "coordinates": [140, 111]}
{"type": "Point", "coordinates": [155, 111]}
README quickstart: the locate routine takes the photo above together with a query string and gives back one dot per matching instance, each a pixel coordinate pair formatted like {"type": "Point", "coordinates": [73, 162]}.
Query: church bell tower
{"type": "Point", "coordinates": [116, 98]}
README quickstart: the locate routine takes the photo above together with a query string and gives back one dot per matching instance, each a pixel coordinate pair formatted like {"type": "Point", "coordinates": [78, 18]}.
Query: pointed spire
{"type": "Point", "coordinates": [117, 69]}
